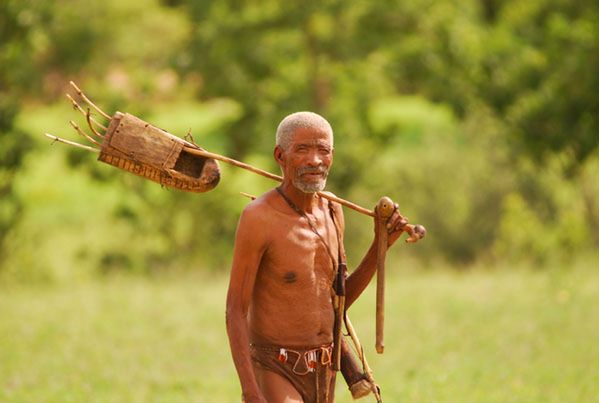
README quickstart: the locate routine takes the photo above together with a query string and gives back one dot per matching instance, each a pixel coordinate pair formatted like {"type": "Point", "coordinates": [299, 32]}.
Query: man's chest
{"type": "Point", "coordinates": [300, 251]}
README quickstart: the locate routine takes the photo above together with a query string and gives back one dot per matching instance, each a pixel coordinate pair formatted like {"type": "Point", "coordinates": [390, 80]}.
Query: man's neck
{"type": "Point", "coordinates": [306, 202]}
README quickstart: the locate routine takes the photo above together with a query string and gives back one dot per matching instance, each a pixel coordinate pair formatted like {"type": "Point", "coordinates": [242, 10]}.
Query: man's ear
{"type": "Point", "coordinates": [278, 154]}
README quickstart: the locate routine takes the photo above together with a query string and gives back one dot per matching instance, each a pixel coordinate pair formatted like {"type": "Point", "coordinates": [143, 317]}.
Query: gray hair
{"type": "Point", "coordinates": [297, 120]}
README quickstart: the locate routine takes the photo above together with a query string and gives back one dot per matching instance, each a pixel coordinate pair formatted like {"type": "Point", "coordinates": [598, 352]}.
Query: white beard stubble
{"type": "Point", "coordinates": [310, 187]}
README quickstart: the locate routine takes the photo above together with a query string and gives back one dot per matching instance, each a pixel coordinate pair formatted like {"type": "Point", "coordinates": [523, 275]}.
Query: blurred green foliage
{"type": "Point", "coordinates": [479, 117]}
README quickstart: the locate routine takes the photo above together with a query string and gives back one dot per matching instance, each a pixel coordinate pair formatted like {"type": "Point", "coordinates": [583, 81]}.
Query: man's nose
{"type": "Point", "coordinates": [314, 159]}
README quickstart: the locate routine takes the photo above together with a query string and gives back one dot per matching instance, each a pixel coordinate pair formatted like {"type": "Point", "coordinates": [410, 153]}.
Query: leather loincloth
{"type": "Point", "coordinates": [307, 369]}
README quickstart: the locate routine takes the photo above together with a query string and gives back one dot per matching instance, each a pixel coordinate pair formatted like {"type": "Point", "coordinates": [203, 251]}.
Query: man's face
{"type": "Point", "coordinates": [307, 159]}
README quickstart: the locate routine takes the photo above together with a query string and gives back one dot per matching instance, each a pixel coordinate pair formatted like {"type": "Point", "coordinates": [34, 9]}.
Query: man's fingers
{"type": "Point", "coordinates": [396, 222]}
{"type": "Point", "coordinates": [392, 221]}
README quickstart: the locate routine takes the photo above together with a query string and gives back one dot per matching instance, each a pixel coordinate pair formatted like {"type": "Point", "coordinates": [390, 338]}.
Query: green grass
{"type": "Point", "coordinates": [496, 336]}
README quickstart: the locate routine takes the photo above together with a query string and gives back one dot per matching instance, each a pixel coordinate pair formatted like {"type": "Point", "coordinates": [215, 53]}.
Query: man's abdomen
{"type": "Point", "coordinates": [296, 317]}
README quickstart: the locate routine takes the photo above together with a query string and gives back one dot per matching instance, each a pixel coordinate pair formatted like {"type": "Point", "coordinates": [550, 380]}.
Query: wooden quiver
{"type": "Point", "coordinates": [355, 378]}
{"type": "Point", "coordinates": [145, 150]}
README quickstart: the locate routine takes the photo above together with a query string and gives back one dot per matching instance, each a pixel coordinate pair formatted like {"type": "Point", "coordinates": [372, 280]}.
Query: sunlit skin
{"type": "Point", "coordinates": [280, 287]}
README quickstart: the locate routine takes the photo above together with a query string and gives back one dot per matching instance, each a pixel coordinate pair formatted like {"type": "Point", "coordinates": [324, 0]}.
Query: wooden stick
{"type": "Point", "coordinates": [415, 232]}
{"type": "Point", "coordinates": [192, 149]}
{"type": "Point", "coordinates": [239, 164]}
{"type": "Point", "coordinates": [71, 143]}
{"type": "Point", "coordinates": [346, 203]}
{"type": "Point", "coordinates": [89, 123]}
{"type": "Point", "coordinates": [80, 109]}
{"type": "Point", "coordinates": [384, 209]}
{"type": "Point", "coordinates": [86, 99]}
{"type": "Point", "coordinates": [338, 332]}
{"type": "Point", "coordinates": [359, 349]}
{"type": "Point", "coordinates": [207, 154]}
{"type": "Point", "coordinates": [248, 195]}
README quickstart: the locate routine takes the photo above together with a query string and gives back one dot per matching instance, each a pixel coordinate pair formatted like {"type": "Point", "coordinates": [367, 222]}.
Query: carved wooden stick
{"type": "Point", "coordinates": [384, 209]}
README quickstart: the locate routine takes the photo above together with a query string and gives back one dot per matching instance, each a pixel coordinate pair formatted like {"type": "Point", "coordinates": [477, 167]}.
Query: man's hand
{"type": "Point", "coordinates": [395, 225]}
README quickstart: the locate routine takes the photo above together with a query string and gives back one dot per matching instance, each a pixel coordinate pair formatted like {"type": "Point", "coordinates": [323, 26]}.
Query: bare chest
{"type": "Point", "coordinates": [301, 255]}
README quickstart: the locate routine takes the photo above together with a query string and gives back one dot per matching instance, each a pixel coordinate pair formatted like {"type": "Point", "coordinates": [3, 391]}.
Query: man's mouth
{"type": "Point", "coordinates": [312, 173]}
{"type": "Point", "coordinates": [313, 176]}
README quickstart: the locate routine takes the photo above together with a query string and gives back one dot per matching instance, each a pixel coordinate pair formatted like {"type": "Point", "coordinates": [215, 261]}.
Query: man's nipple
{"type": "Point", "coordinates": [290, 277]}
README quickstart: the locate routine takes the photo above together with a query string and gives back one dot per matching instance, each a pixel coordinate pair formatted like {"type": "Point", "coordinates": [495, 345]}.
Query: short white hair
{"type": "Point", "coordinates": [297, 120]}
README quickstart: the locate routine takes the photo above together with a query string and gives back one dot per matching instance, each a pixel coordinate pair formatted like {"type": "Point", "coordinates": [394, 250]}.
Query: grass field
{"type": "Point", "coordinates": [482, 336]}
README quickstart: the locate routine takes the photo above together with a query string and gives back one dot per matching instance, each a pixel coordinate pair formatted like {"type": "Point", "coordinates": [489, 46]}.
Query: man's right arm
{"type": "Point", "coordinates": [249, 248]}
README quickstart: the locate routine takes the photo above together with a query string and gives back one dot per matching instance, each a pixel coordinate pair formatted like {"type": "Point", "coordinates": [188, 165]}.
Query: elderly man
{"type": "Point", "coordinates": [280, 304]}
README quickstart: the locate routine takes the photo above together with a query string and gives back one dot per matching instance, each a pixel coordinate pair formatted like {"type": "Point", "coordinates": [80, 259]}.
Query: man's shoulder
{"type": "Point", "coordinates": [255, 222]}
{"type": "Point", "coordinates": [336, 206]}
{"type": "Point", "coordinates": [260, 208]}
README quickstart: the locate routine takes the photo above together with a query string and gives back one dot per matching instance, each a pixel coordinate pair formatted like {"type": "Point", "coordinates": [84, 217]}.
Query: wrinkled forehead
{"type": "Point", "coordinates": [312, 136]}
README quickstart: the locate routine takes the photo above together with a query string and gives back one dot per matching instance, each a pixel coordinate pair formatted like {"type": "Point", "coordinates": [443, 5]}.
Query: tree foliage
{"type": "Point", "coordinates": [475, 115]}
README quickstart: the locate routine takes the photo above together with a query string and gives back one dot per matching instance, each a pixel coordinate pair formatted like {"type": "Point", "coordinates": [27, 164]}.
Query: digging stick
{"type": "Point", "coordinates": [384, 209]}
